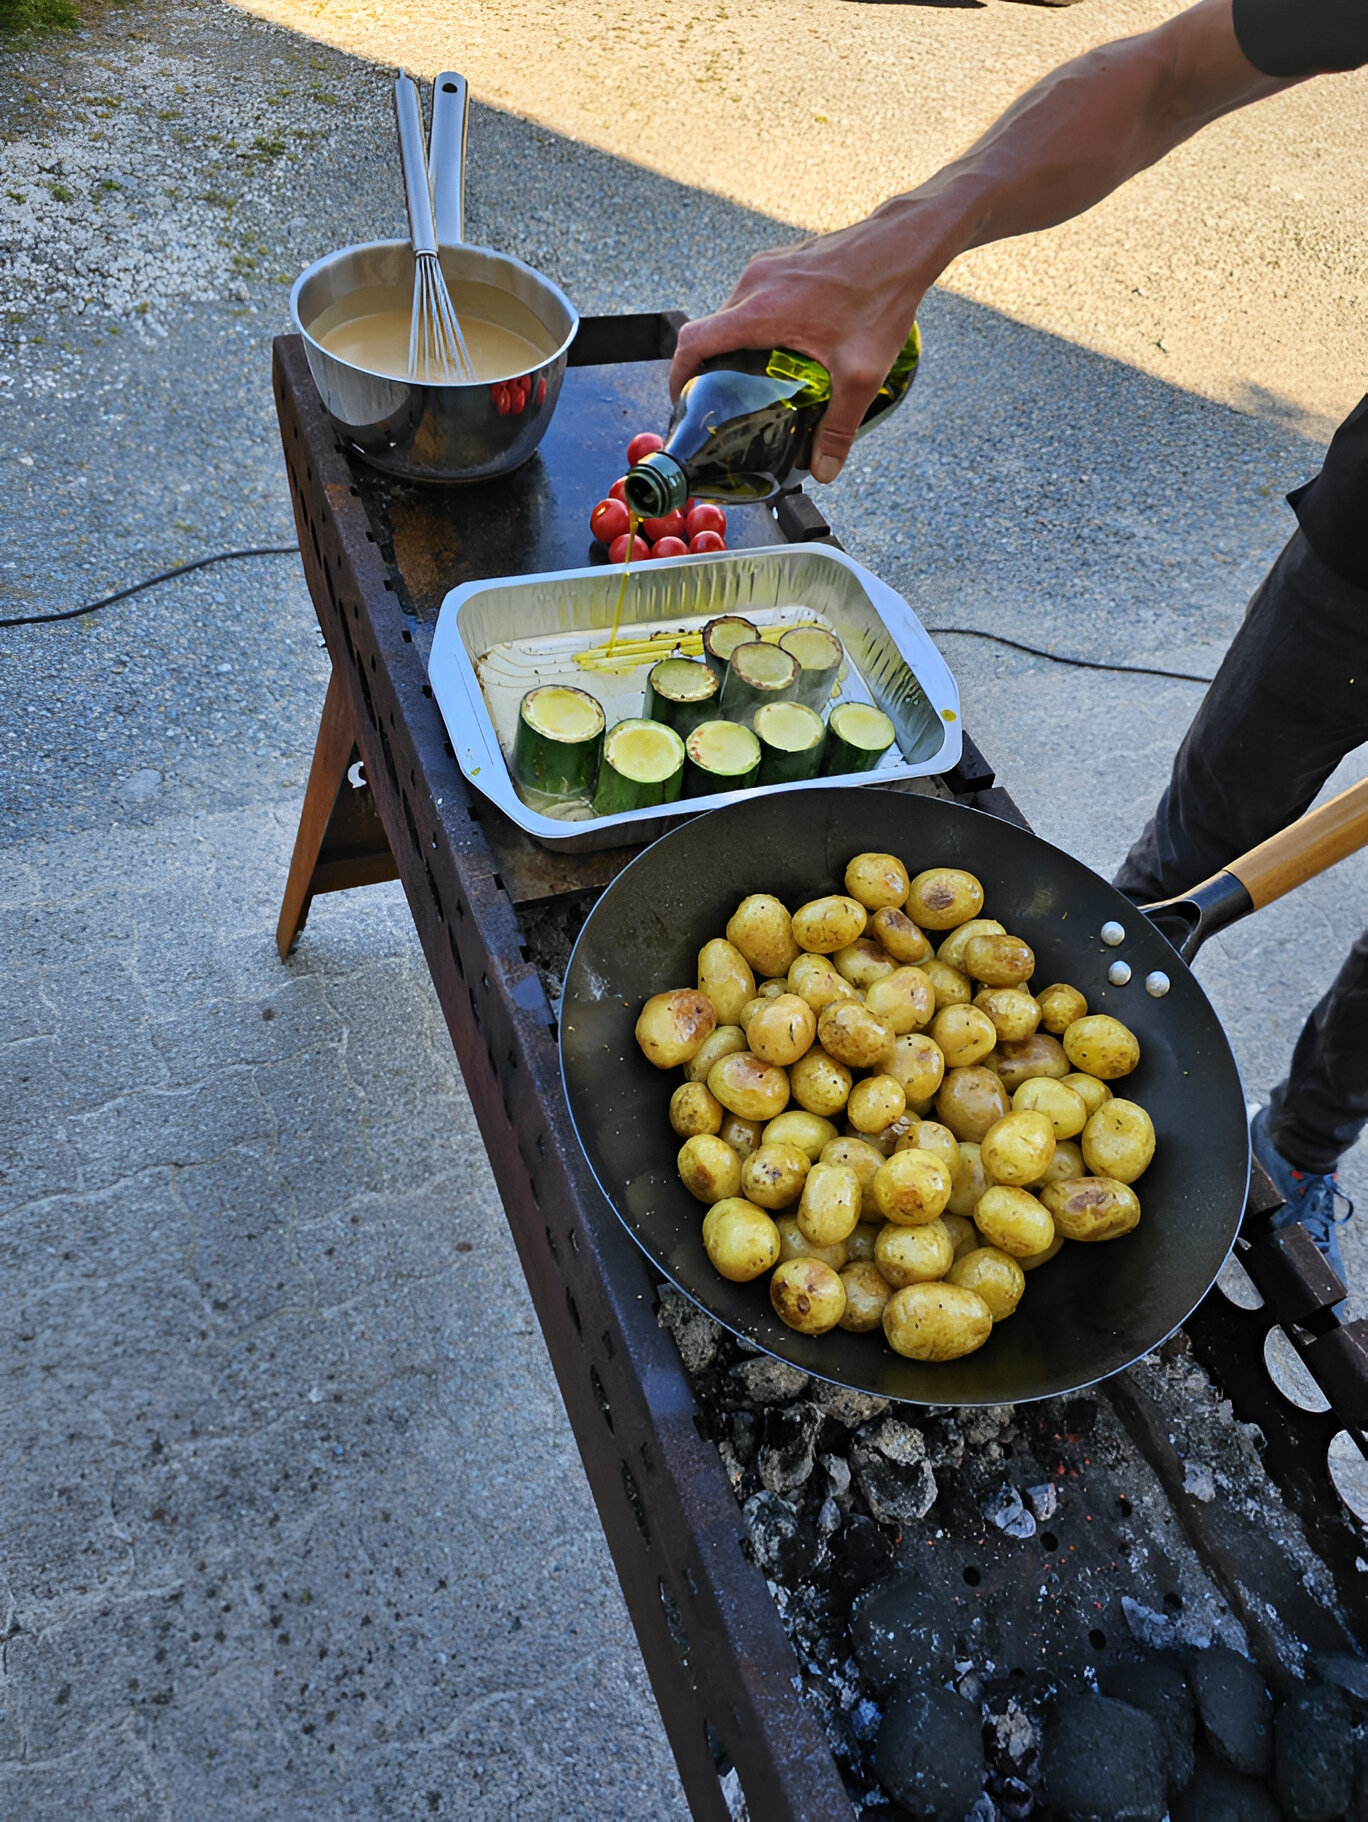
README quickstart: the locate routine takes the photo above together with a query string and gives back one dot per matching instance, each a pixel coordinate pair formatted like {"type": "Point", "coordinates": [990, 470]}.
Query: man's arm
{"type": "Point", "coordinates": [849, 298]}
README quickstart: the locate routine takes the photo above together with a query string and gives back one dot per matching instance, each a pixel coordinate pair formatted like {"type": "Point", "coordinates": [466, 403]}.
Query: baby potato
{"type": "Point", "coordinates": [808, 1131]}
{"type": "Point", "coordinates": [794, 1244]}
{"type": "Point", "coordinates": [1014, 1221]}
{"type": "Point", "coordinates": [1101, 1046]}
{"type": "Point", "coordinates": [867, 1291]}
{"type": "Point", "coordinates": [1032, 1260]}
{"type": "Point", "coordinates": [862, 963]}
{"type": "Point", "coordinates": [747, 1086]}
{"type": "Point", "coordinates": [951, 951]}
{"type": "Point", "coordinates": [900, 936]}
{"type": "Point", "coordinates": [1039, 1054]}
{"type": "Point", "coordinates": [1067, 1162]}
{"type": "Point", "coordinates": [994, 1275]}
{"type": "Point", "coordinates": [877, 881]}
{"type": "Point", "coordinates": [875, 1103]}
{"type": "Point", "coordinates": [807, 1295]}
{"type": "Point", "coordinates": [672, 1026]}
{"type": "Point", "coordinates": [1060, 1004]}
{"type": "Point", "coordinates": [769, 990]}
{"type": "Point", "coordinates": [936, 1321]}
{"type": "Point", "coordinates": [694, 1108]}
{"type": "Point", "coordinates": [773, 1176]}
{"type": "Point", "coordinates": [1118, 1141]}
{"type": "Point", "coordinates": [824, 925]}
{"type": "Point", "coordinates": [761, 928]}
{"type": "Point", "coordinates": [942, 897]}
{"type": "Point", "coordinates": [744, 1136]}
{"type": "Point", "coordinates": [725, 1041]}
{"type": "Point", "coordinates": [747, 1013]}
{"type": "Point", "coordinates": [912, 1187]}
{"type": "Point", "coordinates": [886, 1140]}
{"type": "Point", "coordinates": [964, 1236]}
{"type": "Point", "coordinates": [951, 986]}
{"type": "Point", "coordinates": [905, 1000]}
{"type": "Point", "coordinates": [1014, 1013]}
{"type": "Point", "coordinates": [1018, 1148]}
{"type": "Point", "coordinates": [969, 1181]}
{"type": "Point", "coordinates": [930, 1135]}
{"type": "Point", "coordinates": [999, 961]}
{"type": "Point", "coordinates": [709, 1168]}
{"type": "Point", "coordinates": [1089, 1090]}
{"type": "Point", "coordinates": [725, 976]}
{"type": "Point", "coordinates": [860, 1245]}
{"type": "Point", "coordinates": [918, 1064]}
{"type": "Point", "coordinates": [819, 1083]}
{"type": "Point", "coordinates": [1064, 1109]}
{"type": "Point", "coordinates": [914, 1255]}
{"type": "Point", "coordinates": [1092, 1208]}
{"type": "Point", "coordinates": [782, 1030]}
{"type": "Point", "coordinates": [965, 1034]}
{"type": "Point", "coordinates": [865, 1160]}
{"type": "Point", "coordinates": [852, 1034]}
{"type": "Point", "coordinates": [740, 1239]}
{"type": "Point", "coordinates": [815, 979]}
{"type": "Point", "coordinates": [830, 1204]}
{"type": "Point", "coordinates": [970, 1101]}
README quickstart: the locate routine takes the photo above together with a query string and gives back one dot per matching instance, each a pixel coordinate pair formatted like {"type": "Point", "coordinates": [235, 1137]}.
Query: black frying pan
{"type": "Point", "coordinates": [1088, 1312]}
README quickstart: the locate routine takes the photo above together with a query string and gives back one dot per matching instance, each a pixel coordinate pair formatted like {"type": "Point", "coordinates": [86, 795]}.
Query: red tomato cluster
{"type": "Point", "coordinates": [511, 396]}
{"type": "Point", "coordinates": [694, 527]}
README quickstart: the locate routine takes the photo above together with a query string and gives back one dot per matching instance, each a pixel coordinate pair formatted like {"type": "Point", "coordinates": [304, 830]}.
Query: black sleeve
{"type": "Point", "coordinates": [1302, 37]}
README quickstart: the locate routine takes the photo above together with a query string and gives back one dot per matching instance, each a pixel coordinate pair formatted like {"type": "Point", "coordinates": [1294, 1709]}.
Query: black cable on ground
{"type": "Point", "coordinates": [1082, 664]}
{"type": "Point", "coordinates": [167, 575]}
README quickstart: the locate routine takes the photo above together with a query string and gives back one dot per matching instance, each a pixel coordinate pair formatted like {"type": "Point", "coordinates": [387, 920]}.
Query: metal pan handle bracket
{"type": "Point", "coordinates": [446, 155]}
{"type": "Point", "coordinates": [1286, 860]}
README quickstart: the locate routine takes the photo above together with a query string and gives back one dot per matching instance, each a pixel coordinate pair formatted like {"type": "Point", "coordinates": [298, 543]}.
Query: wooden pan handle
{"type": "Point", "coordinates": [1317, 841]}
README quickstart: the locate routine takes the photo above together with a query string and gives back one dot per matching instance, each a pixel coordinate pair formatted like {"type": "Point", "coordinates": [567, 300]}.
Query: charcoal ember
{"type": "Point", "coordinates": [1015, 1732]}
{"type": "Point", "coordinates": [773, 1525]}
{"type": "Point", "coordinates": [765, 1380]}
{"type": "Point", "coordinates": [1313, 1753]}
{"type": "Point", "coordinates": [789, 1450]}
{"type": "Point", "coordinates": [837, 1470]}
{"type": "Point", "coordinates": [1014, 1798]}
{"type": "Point", "coordinates": [1347, 1673]}
{"type": "Point", "coordinates": [828, 1518]}
{"type": "Point", "coordinates": [1042, 1500]}
{"type": "Point", "coordinates": [985, 1424]}
{"type": "Point", "coordinates": [1236, 1709]}
{"type": "Point", "coordinates": [865, 1554]}
{"type": "Point", "coordinates": [929, 1752]}
{"type": "Point", "coordinates": [900, 1442]}
{"type": "Point", "coordinates": [895, 1494]}
{"type": "Point", "coordinates": [695, 1333]}
{"type": "Point", "coordinates": [1103, 1761]}
{"type": "Point", "coordinates": [1006, 1510]}
{"type": "Point", "coordinates": [1161, 1692]}
{"type": "Point", "coordinates": [1218, 1794]}
{"type": "Point", "coordinates": [903, 1625]}
{"type": "Point", "coordinates": [944, 1441]}
{"type": "Point", "coordinates": [745, 1434]}
{"type": "Point", "coordinates": [846, 1405]}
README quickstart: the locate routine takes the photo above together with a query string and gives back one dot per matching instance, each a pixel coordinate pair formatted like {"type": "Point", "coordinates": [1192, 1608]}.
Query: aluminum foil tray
{"type": "Point", "coordinates": [500, 637]}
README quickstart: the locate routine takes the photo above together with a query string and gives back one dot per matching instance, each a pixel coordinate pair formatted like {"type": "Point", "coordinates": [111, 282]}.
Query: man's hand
{"type": "Point", "coordinates": [841, 299]}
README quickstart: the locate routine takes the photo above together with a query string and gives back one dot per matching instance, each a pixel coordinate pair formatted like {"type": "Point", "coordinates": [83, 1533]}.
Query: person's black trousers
{"type": "Point", "coordinates": [1289, 701]}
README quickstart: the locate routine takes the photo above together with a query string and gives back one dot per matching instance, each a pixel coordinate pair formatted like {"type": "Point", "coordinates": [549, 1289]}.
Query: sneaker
{"type": "Point", "coordinates": [1310, 1199]}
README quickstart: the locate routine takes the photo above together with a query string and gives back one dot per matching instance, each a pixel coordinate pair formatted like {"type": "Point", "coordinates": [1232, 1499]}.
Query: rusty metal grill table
{"type": "Point", "coordinates": [379, 557]}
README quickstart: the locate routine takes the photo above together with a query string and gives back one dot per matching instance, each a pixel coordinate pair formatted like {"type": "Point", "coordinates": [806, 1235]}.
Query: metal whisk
{"type": "Point", "coordinates": [437, 349]}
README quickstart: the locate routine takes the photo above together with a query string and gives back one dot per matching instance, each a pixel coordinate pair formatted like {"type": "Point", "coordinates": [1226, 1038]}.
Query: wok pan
{"type": "Point", "coordinates": [1093, 1309]}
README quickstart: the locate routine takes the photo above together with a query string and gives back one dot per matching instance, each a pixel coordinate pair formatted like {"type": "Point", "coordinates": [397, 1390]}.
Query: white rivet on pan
{"type": "Point", "coordinates": [1119, 973]}
{"type": "Point", "coordinates": [1157, 984]}
{"type": "Point", "coordinates": [1113, 933]}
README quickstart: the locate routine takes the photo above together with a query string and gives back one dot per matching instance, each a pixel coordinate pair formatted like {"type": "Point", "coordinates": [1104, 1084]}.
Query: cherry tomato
{"type": "Point", "coordinates": [521, 390]}
{"type": "Point", "coordinates": [671, 526]}
{"type": "Point", "coordinates": [643, 444]}
{"type": "Point", "coordinates": [617, 550]}
{"type": "Point", "coordinates": [608, 520]}
{"type": "Point", "coordinates": [688, 506]}
{"type": "Point", "coordinates": [503, 399]}
{"type": "Point", "coordinates": [707, 540]}
{"type": "Point", "coordinates": [707, 517]}
{"type": "Point", "coordinates": [669, 547]}
{"type": "Point", "coordinates": [618, 491]}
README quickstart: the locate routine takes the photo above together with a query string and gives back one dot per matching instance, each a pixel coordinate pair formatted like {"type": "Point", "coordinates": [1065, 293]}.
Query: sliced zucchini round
{"type": "Point", "coordinates": [858, 736]}
{"type": "Point", "coordinates": [556, 747]}
{"type": "Point", "coordinates": [791, 740]}
{"type": "Point", "coordinates": [722, 756]}
{"type": "Point", "coordinates": [721, 638]}
{"type": "Point", "coordinates": [681, 692]}
{"type": "Point", "coordinates": [819, 654]}
{"type": "Point", "coordinates": [643, 764]}
{"type": "Point", "coordinates": [757, 673]}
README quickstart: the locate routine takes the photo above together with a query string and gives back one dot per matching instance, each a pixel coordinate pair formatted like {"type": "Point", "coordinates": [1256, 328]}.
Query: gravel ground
{"type": "Point", "coordinates": [171, 1150]}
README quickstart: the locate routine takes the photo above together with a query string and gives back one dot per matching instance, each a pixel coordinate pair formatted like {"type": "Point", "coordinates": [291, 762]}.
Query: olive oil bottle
{"type": "Point", "coordinates": [746, 422]}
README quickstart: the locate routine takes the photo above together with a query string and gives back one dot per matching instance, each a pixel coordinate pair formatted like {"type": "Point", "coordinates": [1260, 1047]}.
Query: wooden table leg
{"type": "Point", "coordinates": [341, 840]}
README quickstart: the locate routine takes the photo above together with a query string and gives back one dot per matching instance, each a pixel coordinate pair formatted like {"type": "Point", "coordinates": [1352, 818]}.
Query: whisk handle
{"type": "Point", "coordinates": [446, 156]}
{"type": "Point", "coordinates": [408, 115]}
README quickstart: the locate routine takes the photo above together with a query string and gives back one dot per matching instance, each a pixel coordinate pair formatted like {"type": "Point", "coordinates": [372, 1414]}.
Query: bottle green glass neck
{"type": "Point", "coordinates": [656, 485]}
